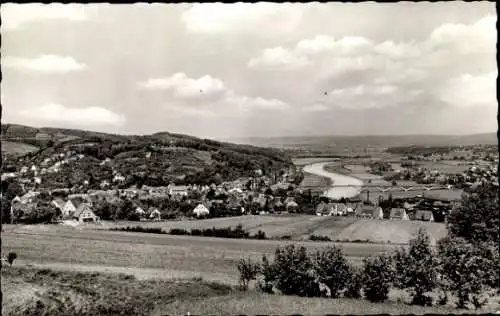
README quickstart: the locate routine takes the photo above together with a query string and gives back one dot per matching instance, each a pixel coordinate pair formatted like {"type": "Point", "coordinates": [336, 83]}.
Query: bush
{"type": "Point", "coordinates": [11, 256]}
{"type": "Point", "coordinates": [178, 231]}
{"type": "Point", "coordinates": [139, 229]}
{"type": "Point", "coordinates": [354, 284]}
{"type": "Point", "coordinates": [248, 271]}
{"type": "Point", "coordinates": [295, 273]}
{"type": "Point", "coordinates": [269, 272]}
{"type": "Point", "coordinates": [332, 269]}
{"type": "Point", "coordinates": [416, 269]}
{"type": "Point", "coordinates": [464, 270]}
{"type": "Point", "coordinates": [260, 235]}
{"type": "Point", "coordinates": [319, 238]}
{"type": "Point", "coordinates": [378, 273]}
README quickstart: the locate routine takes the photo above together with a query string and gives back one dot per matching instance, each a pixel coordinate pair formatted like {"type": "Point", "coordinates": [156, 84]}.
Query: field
{"type": "Point", "coordinates": [445, 167]}
{"type": "Point", "coordinates": [32, 291]}
{"type": "Point", "coordinates": [300, 227]}
{"type": "Point", "coordinates": [166, 256]}
{"type": "Point", "coordinates": [15, 148]}
{"type": "Point", "coordinates": [306, 161]}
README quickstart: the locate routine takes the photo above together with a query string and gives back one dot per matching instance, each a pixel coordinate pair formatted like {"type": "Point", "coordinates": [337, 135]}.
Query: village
{"type": "Point", "coordinates": [258, 195]}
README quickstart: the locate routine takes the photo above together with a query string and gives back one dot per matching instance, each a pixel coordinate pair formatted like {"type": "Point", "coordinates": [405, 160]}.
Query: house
{"type": "Point", "coordinates": [140, 211]}
{"type": "Point", "coordinates": [29, 197]}
{"type": "Point", "coordinates": [118, 178]}
{"type": "Point", "coordinates": [68, 209]}
{"type": "Point", "coordinates": [291, 206]}
{"type": "Point", "coordinates": [427, 216]}
{"type": "Point", "coordinates": [178, 190]}
{"type": "Point", "coordinates": [84, 214]}
{"type": "Point", "coordinates": [398, 214]}
{"type": "Point", "coordinates": [365, 211]}
{"type": "Point", "coordinates": [201, 210]}
{"type": "Point", "coordinates": [339, 209]}
{"type": "Point", "coordinates": [154, 214]}
{"type": "Point", "coordinates": [24, 170]}
{"type": "Point", "coordinates": [378, 213]}
{"type": "Point", "coordinates": [58, 204]}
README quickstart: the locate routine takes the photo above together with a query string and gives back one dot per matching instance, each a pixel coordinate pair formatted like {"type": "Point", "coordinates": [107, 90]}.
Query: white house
{"type": "Point", "coordinates": [155, 215]}
{"type": "Point", "coordinates": [85, 214]}
{"type": "Point", "coordinates": [118, 178]}
{"type": "Point", "coordinates": [201, 210]}
{"type": "Point", "coordinates": [69, 209]}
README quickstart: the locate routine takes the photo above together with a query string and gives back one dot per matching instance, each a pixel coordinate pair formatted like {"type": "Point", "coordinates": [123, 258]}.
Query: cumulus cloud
{"type": "Point", "coordinates": [278, 58]}
{"type": "Point", "coordinates": [214, 18]}
{"type": "Point", "coordinates": [181, 86]}
{"type": "Point", "coordinates": [44, 63]}
{"type": "Point", "coordinates": [207, 96]}
{"type": "Point", "coordinates": [468, 90]}
{"type": "Point", "coordinates": [60, 114]}
{"type": "Point", "coordinates": [317, 107]}
{"type": "Point", "coordinates": [17, 15]}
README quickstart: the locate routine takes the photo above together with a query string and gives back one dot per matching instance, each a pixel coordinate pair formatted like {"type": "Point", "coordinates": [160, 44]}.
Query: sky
{"type": "Point", "coordinates": [252, 70]}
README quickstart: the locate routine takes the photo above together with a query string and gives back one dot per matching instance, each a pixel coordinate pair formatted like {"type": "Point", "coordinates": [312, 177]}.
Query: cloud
{"type": "Point", "coordinates": [17, 15]}
{"type": "Point", "coordinates": [469, 91]}
{"type": "Point", "coordinates": [60, 114]}
{"type": "Point", "coordinates": [278, 58]}
{"type": "Point", "coordinates": [317, 107]}
{"type": "Point", "coordinates": [181, 86]}
{"type": "Point", "coordinates": [45, 63]}
{"type": "Point", "coordinates": [206, 96]}
{"type": "Point", "coordinates": [215, 18]}
{"type": "Point", "coordinates": [320, 44]}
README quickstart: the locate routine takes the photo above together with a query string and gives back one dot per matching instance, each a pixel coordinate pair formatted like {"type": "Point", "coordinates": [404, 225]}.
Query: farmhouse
{"type": "Point", "coordinates": [201, 210]}
{"type": "Point", "coordinates": [398, 214]}
{"type": "Point", "coordinates": [427, 216]}
{"type": "Point", "coordinates": [58, 204]}
{"type": "Point", "coordinates": [68, 209]}
{"type": "Point", "coordinates": [180, 190]}
{"type": "Point", "coordinates": [85, 214]}
{"type": "Point", "coordinates": [154, 214]}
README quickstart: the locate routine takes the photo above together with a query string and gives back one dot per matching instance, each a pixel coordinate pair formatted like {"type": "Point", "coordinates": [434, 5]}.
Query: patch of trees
{"type": "Point", "coordinates": [420, 150]}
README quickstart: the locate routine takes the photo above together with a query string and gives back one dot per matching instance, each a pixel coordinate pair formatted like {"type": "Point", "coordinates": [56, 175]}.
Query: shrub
{"type": "Point", "coordinates": [464, 270]}
{"type": "Point", "coordinates": [248, 271]}
{"type": "Point", "coordinates": [178, 231]}
{"type": "Point", "coordinates": [11, 256]}
{"type": "Point", "coordinates": [260, 235]}
{"type": "Point", "coordinates": [378, 273]}
{"type": "Point", "coordinates": [416, 269]}
{"type": "Point", "coordinates": [295, 273]}
{"type": "Point", "coordinates": [319, 238]}
{"type": "Point", "coordinates": [354, 284]}
{"type": "Point", "coordinates": [269, 272]}
{"type": "Point", "coordinates": [332, 269]}
{"type": "Point", "coordinates": [196, 232]}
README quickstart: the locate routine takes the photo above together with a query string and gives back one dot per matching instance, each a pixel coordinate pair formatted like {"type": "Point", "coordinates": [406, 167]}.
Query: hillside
{"type": "Point", "coordinates": [151, 159]}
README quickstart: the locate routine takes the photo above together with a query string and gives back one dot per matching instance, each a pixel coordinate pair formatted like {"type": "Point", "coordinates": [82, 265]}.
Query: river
{"type": "Point", "coordinates": [337, 179]}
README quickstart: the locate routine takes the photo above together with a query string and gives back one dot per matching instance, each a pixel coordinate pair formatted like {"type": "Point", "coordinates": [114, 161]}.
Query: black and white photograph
{"type": "Point", "coordinates": [243, 158]}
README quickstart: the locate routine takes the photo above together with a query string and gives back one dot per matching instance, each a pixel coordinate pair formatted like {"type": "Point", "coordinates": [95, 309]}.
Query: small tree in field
{"type": "Point", "coordinates": [465, 270]}
{"type": "Point", "coordinates": [268, 270]}
{"type": "Point", "coordinates": [355, 283]}
{"type": "Point", "coordinates": [378, 274]}
{"type": "Point", "coordinates": [416, 269]}
{"type": "Point", "coordinates": [248, 271]}
{"type": "Point", "coordinates": [332, 269]}
{"type": "Point", "coordinates": [11, 256]}
{"type": "Point", "coordinates": [295, 273]}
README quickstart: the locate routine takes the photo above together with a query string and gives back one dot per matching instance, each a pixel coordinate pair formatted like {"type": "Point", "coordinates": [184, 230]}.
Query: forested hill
{"type": "Point", "coordinates": [151, 159]}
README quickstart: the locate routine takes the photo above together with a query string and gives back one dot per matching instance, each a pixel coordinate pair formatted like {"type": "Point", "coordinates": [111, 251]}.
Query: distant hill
{"type": "Point", "coordinates": [151, 159]}
{"type": "Point", "coordinates": [383, 141]}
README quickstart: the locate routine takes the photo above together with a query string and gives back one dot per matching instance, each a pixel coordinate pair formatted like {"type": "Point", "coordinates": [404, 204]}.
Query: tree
{"type": "Point", "coordinates": [333, 269]}
{"type": "Point", "coordinates": [11, 256]}
{"type": "Point", "coordinates": [378, 273]}
{"type": "Point", "coordinates": [477, 219]}
{"type": "Point", "coordinates": [13, 190]}
{"type": "Point", "coordinates": [416, 268]}
{"type": "Point", "coordinates": [295, 272]}
{"type": "Point", "coordinates": [248, 271]}
{"type": "Point", "coordinates": [465, 270]}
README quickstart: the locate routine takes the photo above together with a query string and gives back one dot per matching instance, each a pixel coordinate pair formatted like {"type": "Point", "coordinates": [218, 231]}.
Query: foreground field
{"type": "Point", "coordinates": [148, 255]}
{"type": "Point", "coordinates": [300, 227]}
{"type": "Point", "coordinates": [31, 291]}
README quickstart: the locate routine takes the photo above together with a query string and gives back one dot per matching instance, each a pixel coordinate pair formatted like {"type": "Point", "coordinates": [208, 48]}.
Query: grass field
{"type": "Point", "coordinates": [166, 256]}
{"type": "Point", "coordinates": [15, 148]}
{"type": "Point", "coordinates": [300, 227]}
{"type": "Point", "coordinates": [34, 291]}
